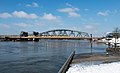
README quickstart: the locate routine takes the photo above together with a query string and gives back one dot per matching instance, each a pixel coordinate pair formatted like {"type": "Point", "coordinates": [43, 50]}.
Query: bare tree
{"type": "Point", "coordinates": [116, 34]}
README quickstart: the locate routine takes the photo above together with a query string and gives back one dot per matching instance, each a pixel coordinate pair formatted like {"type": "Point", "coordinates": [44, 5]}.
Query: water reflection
{"type": "Point", "coordinates": [45, 56]}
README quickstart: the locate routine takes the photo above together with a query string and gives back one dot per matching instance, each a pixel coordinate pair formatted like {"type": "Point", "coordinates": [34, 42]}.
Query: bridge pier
{"type": "Point", "coordinates": [36, 39]}
{"type": "Point", "coordinates": [23, 39]}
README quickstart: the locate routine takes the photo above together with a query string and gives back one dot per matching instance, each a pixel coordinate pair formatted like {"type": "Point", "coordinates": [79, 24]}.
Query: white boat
{"type": "Point", "coordinates": [111, 41]}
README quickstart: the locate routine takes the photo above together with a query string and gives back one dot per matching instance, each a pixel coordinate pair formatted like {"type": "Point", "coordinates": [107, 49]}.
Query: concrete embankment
{"type": "Point", "coordinates": [105, 58]}
{"type": "Point", "coordinates": [66, 65]}
{"type": "Point", "coordinates": [88, 57]}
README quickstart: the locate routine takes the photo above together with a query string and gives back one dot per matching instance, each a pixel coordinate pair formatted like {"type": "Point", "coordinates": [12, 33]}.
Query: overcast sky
{"type": "Point", "coordinates": [91, 16]}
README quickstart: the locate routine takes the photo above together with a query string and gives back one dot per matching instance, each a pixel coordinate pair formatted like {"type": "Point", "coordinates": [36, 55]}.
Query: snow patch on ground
{"type": "Point", "coordinates": [100, 68]}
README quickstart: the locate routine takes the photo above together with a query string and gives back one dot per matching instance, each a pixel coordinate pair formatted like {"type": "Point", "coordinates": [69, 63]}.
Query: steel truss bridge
{"type": "Point", "coordinates": [59, 34]}
{"type": "Point", "coordinates": [64, 32]}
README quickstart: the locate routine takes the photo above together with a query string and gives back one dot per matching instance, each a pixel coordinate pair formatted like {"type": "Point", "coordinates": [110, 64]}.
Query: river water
{"type": "Point", "coordinates": [45, 56]}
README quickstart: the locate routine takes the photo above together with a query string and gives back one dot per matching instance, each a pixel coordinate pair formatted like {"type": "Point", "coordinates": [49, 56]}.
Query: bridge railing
{"type": "Point", "coordinates": [3, 36]}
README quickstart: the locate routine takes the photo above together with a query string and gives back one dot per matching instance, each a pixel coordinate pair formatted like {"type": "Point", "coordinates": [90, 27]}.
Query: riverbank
{"type": "Point", "coordinates": [95, 63]}
{"type": "Point", "coordinates": [105, 58]}
{"type": "Point", "coordinates": [113, 67]}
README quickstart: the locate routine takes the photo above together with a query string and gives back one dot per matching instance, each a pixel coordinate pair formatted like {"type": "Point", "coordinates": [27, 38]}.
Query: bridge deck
{"type": "Point", "coordinates": [48, 37]}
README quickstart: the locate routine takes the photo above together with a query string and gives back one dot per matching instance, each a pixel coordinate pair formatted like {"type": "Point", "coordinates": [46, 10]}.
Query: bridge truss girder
{"type": "Point", "coordinates": [64, 32]}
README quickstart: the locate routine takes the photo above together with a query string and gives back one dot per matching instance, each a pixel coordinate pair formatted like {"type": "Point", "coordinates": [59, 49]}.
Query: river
{"type": "Point", "coordinates": [45, 56]}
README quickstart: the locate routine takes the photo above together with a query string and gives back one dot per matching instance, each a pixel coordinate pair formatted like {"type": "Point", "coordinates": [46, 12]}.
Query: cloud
{"type": "Point", "coordinates": [4, 25]}
{"type": "Point", "coordinates": [67, 10]}
{"type": "Point", "coordinates": [103, 13]}
{"type": "Point", "coordinates": [68, 4]}
{"type": "Point", "coordinates": [71, 11]}
{"type": "Point", "coordinates": [22, 24]}
{"type": "Point", "coordinates": [18, 14]}
{"type": "Point", "coordinates": [5, 15]}
{"type": "Point", "coordinates": [73, 14]}
{"type": "Point", "coordinates": [91, 26]}
{"type": "Point", "coordinates": [115, 11]}
{"type": "Point", "coordinates": [34, 4]}
{"type": "Point", "coordinates": [49, 16]}
{"type": "Point", "coordinates": [86, 9]}
{"type": "Point", "coordinates": [22, 14]}
{"type": "Point", "coordinates": [40, 24]}
{"type": "Point", "coordinates": [109, 12]}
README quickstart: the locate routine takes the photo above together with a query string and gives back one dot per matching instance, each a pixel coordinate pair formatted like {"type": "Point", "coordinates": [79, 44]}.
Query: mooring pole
{"type": "Point", "coordinates": [91, 43]}
{"type": "Point", "coordinates": [91, 52]}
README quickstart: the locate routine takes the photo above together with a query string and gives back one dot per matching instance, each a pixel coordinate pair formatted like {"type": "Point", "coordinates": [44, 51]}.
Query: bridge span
{"type": "Point", "coordinates": [59, 34]}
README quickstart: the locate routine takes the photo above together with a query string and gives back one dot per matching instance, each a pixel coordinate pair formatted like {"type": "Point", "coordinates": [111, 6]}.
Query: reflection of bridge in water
{"type": "Point", "coordinates": [59, 34]}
